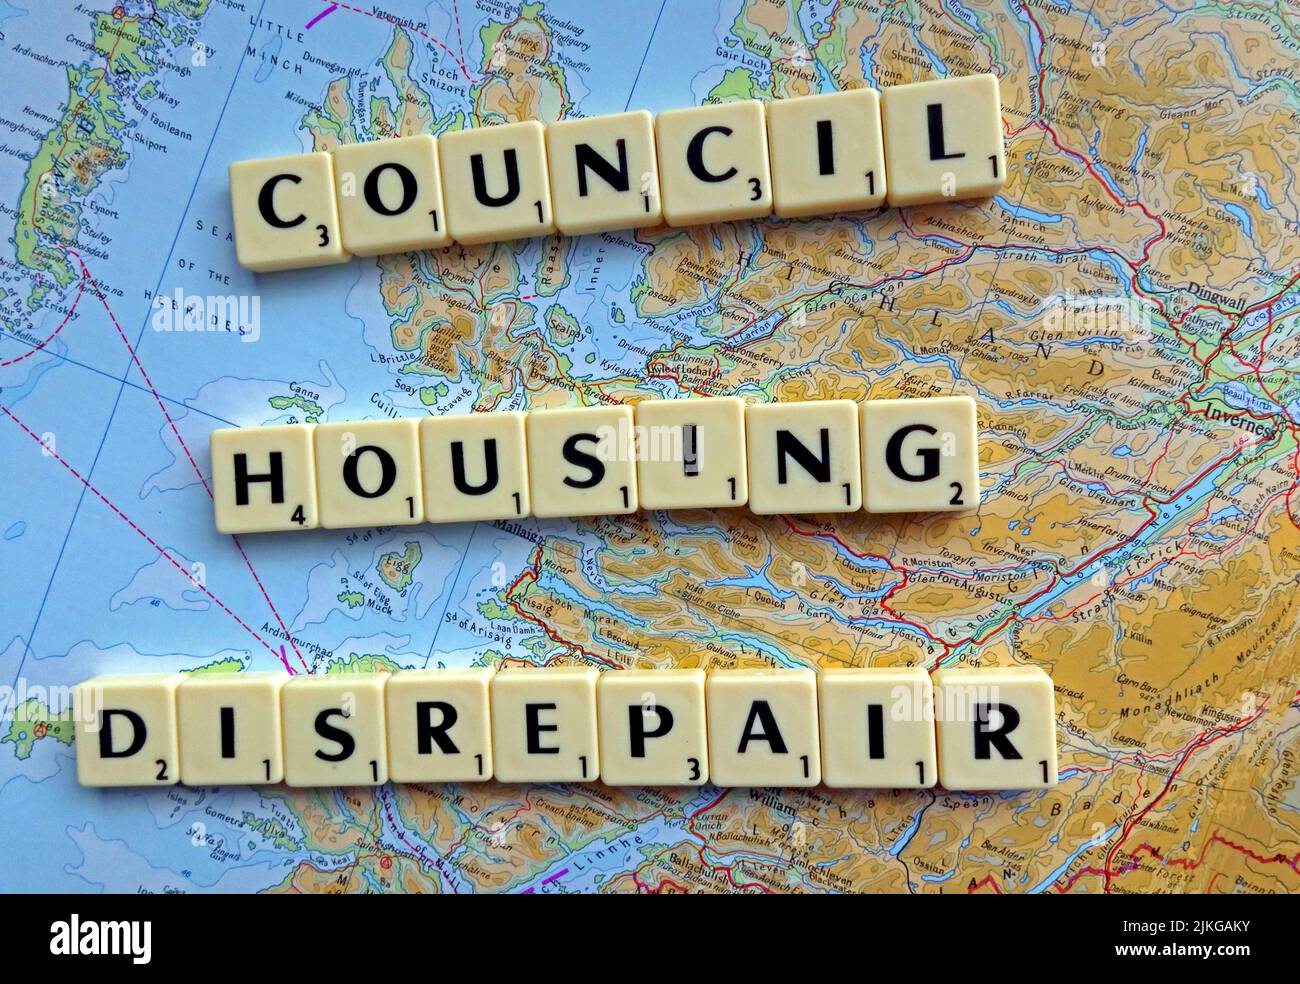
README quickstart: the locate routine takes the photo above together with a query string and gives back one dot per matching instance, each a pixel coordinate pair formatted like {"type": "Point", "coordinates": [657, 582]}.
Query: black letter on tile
{"type": "Point", "coordinates": [532, 714]}
{"type": "Point", "coordinates": [387, 472]}
{"type": "Point", "coordinates": [431, 733]}
{"type": "Point", "coordinates": [490, 477]}
{"type": "Point", "coordinates": [636, 715]}
{"type": "Point", "coordinates": [825, 148]}
{"type": "Point", "coordinates": [243, 479]}
{"type": "Point", "coordinates": [371, 189]}
{"type": "Point", "coordinates": [227, 732]}
{"type": "Point", "coordinates": [760, 712]}
{"type": "Point", "coordinates": [818, 467]}
{"type": "Point", "coordinates": [138, 734]}
{"type": "Point", "coordinates": [480, 180]}
{"type": "Point", "coordinates": [929, 456]}
{"type": "Point", "coordinates": [266, 203]}
{"type": "Point", "coordinates": [347, 744]}
{"type": "Point", "coordinates": [934, 123]}
{"type": "Point", "coordinates": [616, 177]}
{"type": "Point", "coordinates": [985, 739]}
{"type": "Point", "coordinates": [588, 461]}
{"type": "Point", "coordinates": [695, 155]}
{"type": "Point", "coordinates": [875, 731]}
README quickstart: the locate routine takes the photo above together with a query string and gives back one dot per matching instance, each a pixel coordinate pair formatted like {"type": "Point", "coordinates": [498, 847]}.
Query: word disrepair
{"type": "Point", "coordinates": [822, 456]}
{"type": "Point", "coordinates": [967, 729]}
{"type": "Point", "coordinates": [812, 155]}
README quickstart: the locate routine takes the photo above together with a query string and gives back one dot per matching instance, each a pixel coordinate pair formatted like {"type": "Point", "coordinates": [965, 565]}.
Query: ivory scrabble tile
{"type": "Point", "coordinates": [125, 730]}
{"type": "Point", "coordinates": [713, 164]}
{"type": "Point", "coordinates": [544, 725]}
{"type": "Point", "coordinates": [604, 173]}
{"type": "Point", "coordinates": [803, 457]}
{"type": "Point", "coordinates": [230, 728]}
{"type": "Point", "coordinates": [652, 728]}
{"type": "Point", "coordinates": [475, 467]}
{"type": "Point", "coordinates": [827, 153]}
{"type": "Point", "coordinates": [920, 455]}
{"type": "Point", "coordinates": [439, 725]}
{"type": "Point", "coordinates": [582, 462]}
{"type": "Point", "coordinates": [264, 478]}
{"type": "Point", "coordinates": [368, 473]}
{"type": "Point", "coordinates": [943, 140]}
{"type": "Point", "coordinates": [691, 453]}
{"type": "Point", "coordinates": [996, 728]}
{"type": "Point", "coordinates": [877, 728]}
{"type": "Point", "coordinates": [763, 728]}
{"type": "Point", "coordinates": [334, 731]}
{"type": "Point", "coordinates": [390, 195]}
{"type": "Point", "coordinates": [285, 212]}
{"type": "Point", "coordinates": [495, 182]}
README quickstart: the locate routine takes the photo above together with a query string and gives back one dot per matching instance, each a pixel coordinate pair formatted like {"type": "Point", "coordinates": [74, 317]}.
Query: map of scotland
{"type": "Point", "coordinates": [1125, 313]}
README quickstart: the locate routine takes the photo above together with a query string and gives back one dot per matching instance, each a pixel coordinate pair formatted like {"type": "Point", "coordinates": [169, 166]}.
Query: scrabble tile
{"type": "Point", "coordinates": [475, 467]}
{"type": "Point", "coordinates": [230, 728]}
{"type": "Point", "coordinates": [285, 212]}
{"type": "Point", "coordinates": [582, 462]}
{"type": "Point", "coordinates": [368, 473]}
{"type": "Point", "coordinates": [920, 455]}
{"type": "Point", "coordinates": [125, 730]}
{"type": "Point", "coordinates": [943, 140]}
{"type": "Point", "coordinates": [827, 153]}
{"type": "Point", "coordinates": [691, 453]}
{"type": "Point", "coordinates": [604, 174]}
{"type": "Point", "coordinates": [264, 478]}
{"type": "Point", "coordinates": [713, 163]}
{"type": "Point", "coordinates": [439, 725]}
{"type": "Point", "coordinates": [763, 728]}
{"type": "Point", "coordinates": [390, 195]}
{"type": "Point", "coordinates": [495, 182]}
{"type": "Point", "coordinates": [334, 733]}
{"type": "Point", "coordinates": [544, 725]}
{"type": "Point", "coordinates": [877, 728]}
{"type": "Point", "coordinates": [652, 728]}
{"type": "Point", "coordinates": [996, 728]}
{"type": "Point", "coordinates": [803, 457]}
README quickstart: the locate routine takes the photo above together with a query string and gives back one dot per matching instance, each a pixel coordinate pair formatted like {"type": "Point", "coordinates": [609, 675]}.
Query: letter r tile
{"type": "Point", "coordinates": [996, 728]}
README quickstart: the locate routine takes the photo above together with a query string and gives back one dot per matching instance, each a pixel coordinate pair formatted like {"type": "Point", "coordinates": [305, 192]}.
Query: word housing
{"type": "Point", "coordinates": [965, 729]}
{"type": "Point", "coordinates": [826, 456]}
{"type": "Point", "coordinates": [814, 155]}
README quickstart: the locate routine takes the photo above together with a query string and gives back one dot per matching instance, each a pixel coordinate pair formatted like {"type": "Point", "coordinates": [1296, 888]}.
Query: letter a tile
{"type": "Point", "coordinates": [713, 164]}
{"type": "Point", "coordinates": [230, 728]}
{"type": "Point", "coordinates": [763, 728]}
{"type": "Point", "coordinates": [604, 174]}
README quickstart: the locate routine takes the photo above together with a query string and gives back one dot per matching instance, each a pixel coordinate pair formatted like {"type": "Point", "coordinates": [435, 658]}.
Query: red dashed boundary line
{"type": "Point", "coordinates": [386, 18]}
{"type": "Point", "coordinates": [131, 523]}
